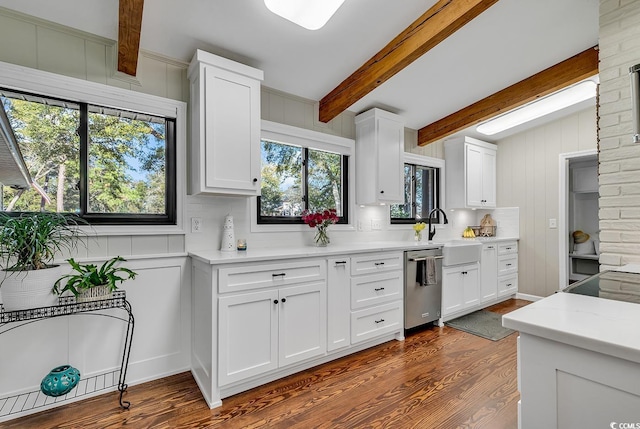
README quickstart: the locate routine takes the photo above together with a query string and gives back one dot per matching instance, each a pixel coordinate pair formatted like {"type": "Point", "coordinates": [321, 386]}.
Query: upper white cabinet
{"type": "Point", "coordinates": [470, 173]}
{"type": "Point", "coordinates": [379, 164]}
{"type": "Point", "coordinates": [225, 126]}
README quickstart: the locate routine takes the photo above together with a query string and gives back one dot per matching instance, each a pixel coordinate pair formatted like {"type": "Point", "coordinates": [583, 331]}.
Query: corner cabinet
{"type": "Point", "coordinates": [225, 126]}
{"type": "Point", "coordinates": [379, 163]}
{"type": "Point", "coordinates": [476, 187]}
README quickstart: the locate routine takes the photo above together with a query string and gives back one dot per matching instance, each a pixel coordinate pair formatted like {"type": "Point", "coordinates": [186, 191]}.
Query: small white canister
{"type": "Point", "coordinates": [228, 236]}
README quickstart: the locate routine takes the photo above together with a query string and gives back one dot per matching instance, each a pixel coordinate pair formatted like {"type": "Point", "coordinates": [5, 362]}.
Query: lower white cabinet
{"type": "Point", "coordinates": [338, 298]}
{"type": "Point", "coordinates": [507, 268]}
{"type": "Point", "coordinates": [256, 322]}
{"type": "Point", "coordinates": [489, 272]}
{"type": "Point", "coordinates": [460, 288]}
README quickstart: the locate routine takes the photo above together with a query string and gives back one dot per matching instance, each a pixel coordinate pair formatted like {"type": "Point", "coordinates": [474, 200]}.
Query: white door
{"type": "Point", "coordinates": [488, 178]}
{"type": "Point", "coordinates": [303, 322]}
{"type": "Point", "coordinates": [489, 272]}
{"type": "Point", "coordinates": [452, 290]}
{"type": "Point", "coordinates": [474, 162]}
{"type": "Point", "coordinates": [471, 281]}
{"type": "Point", "coordinates": [248, 339]}
{"type": "Point", "coordinates": [338, 288]}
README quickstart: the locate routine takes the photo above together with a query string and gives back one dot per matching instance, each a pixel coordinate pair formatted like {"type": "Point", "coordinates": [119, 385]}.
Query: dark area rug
{"type": "Point", "coordinates": [482, 323]}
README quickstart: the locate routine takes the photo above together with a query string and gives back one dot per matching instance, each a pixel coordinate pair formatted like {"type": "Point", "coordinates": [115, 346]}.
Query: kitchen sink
{"type": "Point", "coordinates": [458, 252]}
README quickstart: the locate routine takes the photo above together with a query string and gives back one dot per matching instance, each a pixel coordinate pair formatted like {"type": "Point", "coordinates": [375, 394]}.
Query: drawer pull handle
{"type": "Point", "coordinates": [508, 248]}
{"type": "Point", "coordinates": [463, 272]}
{"type": "Point", "coordinates": [508, 265]}
{"type": "Point", "coordinates": [378, 289]}
{"type": "Point", "coordinates": [284, 300]}
{"type": "Point", "coordinates": [509, 285]}
{"type": "Point", "coordinates": [378, 263]}
{"type": "Point", "coordinates": [379, 321]}
{"type": "Point", "coordinates": [279, 275]}
{"type": "Point", "coordinates": [340, 262]}
{"type": "Point", "coordinates": [275, 301]}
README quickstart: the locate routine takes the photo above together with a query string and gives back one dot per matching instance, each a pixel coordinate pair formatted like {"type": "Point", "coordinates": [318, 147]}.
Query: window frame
{"type": "Point", "coordinates": [422, 161]}
{"type": "Point", "coordinates": [308, 139]}
{"type": "Point", "coordinates": [46, 84]}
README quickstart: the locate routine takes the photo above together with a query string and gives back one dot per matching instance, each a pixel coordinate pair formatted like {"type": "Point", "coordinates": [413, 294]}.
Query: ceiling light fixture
{"type": "Point", "coordinates": [310, 14]}
{"type": "Point", "coordinates": [536, 109]}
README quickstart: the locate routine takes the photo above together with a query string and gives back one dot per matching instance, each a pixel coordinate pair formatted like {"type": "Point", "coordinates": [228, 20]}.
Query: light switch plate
{"type": "Point", "coordinates": [376, 224]}
{"type": "Point", "coordinates": [553, 224]}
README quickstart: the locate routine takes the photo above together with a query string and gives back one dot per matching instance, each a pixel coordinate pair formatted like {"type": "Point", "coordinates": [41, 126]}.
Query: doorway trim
{"type": "Point", "coordinates": [563, 211]}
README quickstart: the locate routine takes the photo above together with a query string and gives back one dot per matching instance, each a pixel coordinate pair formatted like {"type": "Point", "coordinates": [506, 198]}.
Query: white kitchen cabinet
{"type": "Point", "coordinates": [377, 290]}
{"type": "Point", "coordinates": [225, 126]}
{"type": "Point", "coordinates": [338, 302]}
{"type": "Point", "coordinates": [489, 272]}
{"type": "Point", "coordinates": [261, 331]}
{"type": "Point", "coordinates": [507, 268]}
{"type": "Point", "coordinates": [470, 173]}
{"type": "Point", "coordinates": [460, 288]}
{"type": "Point", "coordinates": [379, 158]}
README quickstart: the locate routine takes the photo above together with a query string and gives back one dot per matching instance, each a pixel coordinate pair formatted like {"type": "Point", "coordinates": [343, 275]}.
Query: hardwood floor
{"type": "Point", "coordinates": [436, 378]}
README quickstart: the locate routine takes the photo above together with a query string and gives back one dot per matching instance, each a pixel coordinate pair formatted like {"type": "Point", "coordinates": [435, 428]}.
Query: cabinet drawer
{"type": "Point", "coordinates": [375, 289]}
{"type": "Point", "coordinates": [373, 322]}
{"type": "Point", "coordinates": [507, 285]}
{"type": "Point", "coordinates": [507, 265]}
{"type": "Point", "coordinates": [376, 263]}
{"type": "Point", "coordinates": [507, 247]}
{"type": "Point", "coordinates": [247, 277]}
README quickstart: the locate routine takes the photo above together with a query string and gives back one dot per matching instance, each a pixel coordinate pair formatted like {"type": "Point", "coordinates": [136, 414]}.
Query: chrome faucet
{"type": "Point", "coordinates": [432, 233]}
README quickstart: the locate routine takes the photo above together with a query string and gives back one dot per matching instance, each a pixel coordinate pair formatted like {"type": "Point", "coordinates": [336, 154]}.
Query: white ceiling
{"type": "Point", "coordinates": [510, 41]}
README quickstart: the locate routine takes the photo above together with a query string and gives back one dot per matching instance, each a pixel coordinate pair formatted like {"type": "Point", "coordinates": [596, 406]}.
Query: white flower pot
{"type": "Point", "coordinates": [29, 289]}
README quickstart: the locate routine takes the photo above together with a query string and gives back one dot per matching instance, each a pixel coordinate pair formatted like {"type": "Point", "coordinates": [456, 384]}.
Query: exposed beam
{"type": "Point", "coordinates": [129, 27]}
{"type": "Point", "coordinates": [556, 77]}
{"type": "Point", "coordinates": [435, 25]}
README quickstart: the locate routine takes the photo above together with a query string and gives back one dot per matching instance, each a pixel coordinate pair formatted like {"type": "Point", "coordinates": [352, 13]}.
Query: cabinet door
{"type": "Point", "coordinates": [390, 166]}
{"type": "Point", "coordinates": [452, 290]}
{"type": "Point", "coordinates": [338, 299]}
{"type": "Point", "coordinates": [488, 178]}
{"type": "Point", "coordinates": [489, 272]}
{"type": "Point", "coordinates": [303, 322]}
{"type": "Point", "coordinates": [232, 133]}
{"type": "Point", "coordinates": [248, 335]}
{"type": "Point", "coordinates": [471, 281]}
{"type": "Point", "coordinates": [474, 163]}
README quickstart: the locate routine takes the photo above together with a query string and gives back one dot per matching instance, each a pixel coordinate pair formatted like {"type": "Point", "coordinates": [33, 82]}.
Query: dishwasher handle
{"type": "Point", "coordinates": [425, 258]}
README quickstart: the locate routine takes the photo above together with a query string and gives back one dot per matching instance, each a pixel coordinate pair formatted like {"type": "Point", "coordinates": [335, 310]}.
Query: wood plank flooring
{"type": "Point", "coordinates": [436, 378]}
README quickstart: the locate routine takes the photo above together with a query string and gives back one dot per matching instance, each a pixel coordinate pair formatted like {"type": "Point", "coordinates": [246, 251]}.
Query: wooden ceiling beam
{"type": "Point", "coordinates": [435, 25]}
{"type": "Point", "coordinates": [129, 27]}
{"type": "Point", "coordinates": [561, 75]}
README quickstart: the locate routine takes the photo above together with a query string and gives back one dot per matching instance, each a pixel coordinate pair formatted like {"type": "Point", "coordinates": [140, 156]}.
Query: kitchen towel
{"type": "Point", "coordinates": [431, 272]}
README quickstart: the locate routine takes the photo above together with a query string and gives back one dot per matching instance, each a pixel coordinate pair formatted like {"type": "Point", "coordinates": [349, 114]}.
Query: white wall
{"type": "Point", "coordinates": [619, 157]}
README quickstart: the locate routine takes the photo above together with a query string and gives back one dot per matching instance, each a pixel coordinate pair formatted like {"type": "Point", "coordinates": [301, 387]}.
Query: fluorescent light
{"type": "Point", "coordinates": [539, 108]}
{"type": "Point", "coordinates": [310, 14]}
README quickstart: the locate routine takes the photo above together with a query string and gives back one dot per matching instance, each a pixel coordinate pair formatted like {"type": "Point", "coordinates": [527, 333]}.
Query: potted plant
{"type": "Point", "coordinates": [88, 282]}
{"type": "Point", "coordinates": [28, 244]}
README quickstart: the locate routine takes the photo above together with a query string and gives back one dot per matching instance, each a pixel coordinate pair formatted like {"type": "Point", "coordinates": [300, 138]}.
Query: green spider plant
{"type": "Point", "coordinates": [86, 276]}
{"type": "Point", "coordinates": [30, 241]}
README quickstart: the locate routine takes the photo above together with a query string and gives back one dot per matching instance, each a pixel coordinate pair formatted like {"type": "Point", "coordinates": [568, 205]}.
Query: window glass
{"type": "Point", "coordinates": [110, 166]}
{"type": "Point", "coordinates": [296, 178]}
{"type": "Point", "coordinates": [421, 194]}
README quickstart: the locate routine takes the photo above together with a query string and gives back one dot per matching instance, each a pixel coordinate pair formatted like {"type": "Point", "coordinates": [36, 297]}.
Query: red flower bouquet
{"type": "Point", "coordinates": [321, 221]}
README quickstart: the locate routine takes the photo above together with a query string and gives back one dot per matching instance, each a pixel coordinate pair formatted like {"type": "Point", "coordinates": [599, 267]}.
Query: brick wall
{"type": "Point", "coordinates": [619, 157]}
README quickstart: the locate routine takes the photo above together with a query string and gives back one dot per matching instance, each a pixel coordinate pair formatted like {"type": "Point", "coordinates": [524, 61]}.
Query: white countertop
{"type": "Point", "coordinates": [271, 253]}
{"type": "Point", "coordinates": [597, 324]}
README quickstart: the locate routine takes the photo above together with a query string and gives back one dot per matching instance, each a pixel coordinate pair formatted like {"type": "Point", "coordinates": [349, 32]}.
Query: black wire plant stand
{"type": "Point", "coordinates": [67, 306]}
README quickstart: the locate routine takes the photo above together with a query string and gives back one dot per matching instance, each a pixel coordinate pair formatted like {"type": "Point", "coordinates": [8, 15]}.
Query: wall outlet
{"type": "Point", "coordinates": [553, 224]}
{"type": "Point", "coordinates": [196, 224]}
{"type": "Point", "coordinates": [376, 224]}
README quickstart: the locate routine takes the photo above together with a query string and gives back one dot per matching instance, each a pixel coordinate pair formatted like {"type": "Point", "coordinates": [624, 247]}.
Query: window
{"type": "Point", "coordinates": [110, 166]}
{"type": "Point", "coordinates": [422, 190]}
{"type": "Point", "coordinates": [301, 171]}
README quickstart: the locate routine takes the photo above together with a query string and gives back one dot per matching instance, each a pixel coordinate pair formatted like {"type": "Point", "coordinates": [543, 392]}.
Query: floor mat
{"type": "Point", "coordinates": [482, 323]}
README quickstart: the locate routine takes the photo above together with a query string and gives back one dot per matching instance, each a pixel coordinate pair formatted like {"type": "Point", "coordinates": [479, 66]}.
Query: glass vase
{"type": "Point", "coordinates": [322, 237]}
{"type": "Point", "coordinates": [418, 236]}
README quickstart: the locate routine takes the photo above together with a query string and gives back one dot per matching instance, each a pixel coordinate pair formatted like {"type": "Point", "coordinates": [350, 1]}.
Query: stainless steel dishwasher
{"type": "Point", "coordinates": [422, 286]}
